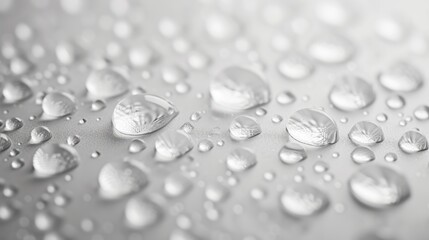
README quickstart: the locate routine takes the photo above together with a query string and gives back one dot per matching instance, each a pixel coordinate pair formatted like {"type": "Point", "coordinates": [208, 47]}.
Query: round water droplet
{"type": "Point", "coordinates": [292, 153]}
{"type": "Point", "coordinates": [136, 146]}
{"type": "Point", "coordinates": [173, 74]}
{"type": "Point", "coordinates": [303, 200]}
{"type": "Point", "coordinates": [118, 179]}
{"type": "Point", "coordinates": [14, 91]}
{"type": "Point", "coordinates": [379, 187]}
{"type": "Point", "coordinates": [106, 83]}
{"type": "Point", "coordinates": [13, 124]}
{"type": "Point", "coordinates": [362, 155]}
{"type": "Point", "coordinates": [205, 145]}
{"type": "Point", "coordinates": [401, 77]}
{"type": "Point", "coordinates": [240, 159]}
{"type": "Point", "coordinates": [237, 88]}
{"type": "Point", "coordinates": [142, 113]}
{"type": "Point", "coordinates": [40, 134]}
{"type": "Point", "coordinates": [58, 104]}
{"type": "Point", "coordinates": [421, 112]}
{"type": "Point", "coordinates": [395, 102]}
{"type": "Point", "coordinates": [216, 192]}
{"type": "Point", "coordinates": [176, 185]}
{"type": "Point", "coordinates": [366, 133]}
{"type": "Point", "coordinates": [141, 56]}
{"type": "Point", "coordinates": [413, 142]}
{"type": "Point", "coordinates": [351, 93]}
{"type": "Point", "coordinates": [172, 145]}
{"type": "Point", "coordinates": [285, 98]}
{"type": "Point", "coordinates": [390, 157]}
{"type": "Point", "coordinates": [312, 127]}
{"type": "Point", "coordinates": [295, 66]}
{"type": "Point", "coordinates": [53, 159]}
{"type": "Point", "coordinates": [221, 27]}
{"type": "Point", "coordinates": [97, 105]}
{"type": "Point", "coordinates": [67, 53]}
{"type": "Point", "coordinates": [5, 142]}
{"type": "Point", "coordinates": [142, 213]}
{"type": "Point", "coordinates": [244, 127]}
{"type": "Point", "coordinates": [331, 49]}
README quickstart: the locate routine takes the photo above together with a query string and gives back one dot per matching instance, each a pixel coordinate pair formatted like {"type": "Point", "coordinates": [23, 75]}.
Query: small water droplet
{"type": "Point", "coordinates": [390, 157]}
{"type": "Point", "coordinates": [176, 185]}
{"type": "Point", "coordinates": [362, 155]}
{"type": "Point", "coordinates": [351, 93]}
{"type": "Point", "coordinates": [422, 112]}
{"type": "Point", "coordinates": [205, 145]}
{"type": "Point", "coordinates": [58, 104]}
{"type": "Point", "coordinates": [172, 145]}
{"type": "Point", "coordinates": [240, 159]}
{"type": "Point", "coordinates": [243, 128]}
{"type": "Point", "coordinates": [366, 133]}
{"type": "Point", "coordinates": [141, 213]}
{"type": "Point", "coordinates": [136, 146]}
{"type": "Point", "coordinates": [39, 135]}
{"type": "Point", "coordinates": [295, 66]}
{"type": "Point", "coordinates": [292, 153]}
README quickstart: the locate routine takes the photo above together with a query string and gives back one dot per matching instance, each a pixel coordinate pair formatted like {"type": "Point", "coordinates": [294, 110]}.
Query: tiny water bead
{"type": "Point", "coordinates": [295, 66]}
{"type": "Point", "coordinates": [172, 145]}
{"type": "Point", "coordinates": [106, 83]}
{"type": "Point", "coordinates": [237, 88]}
{"type": "Point", "coordinates": [240, 160]}
{"type": "Point", "coordinates": [142, 113]}
{"type": "Point", "coordinates": [331, 49]}
{"type": "Point", "coordinates": [136, 146]}
{"type": "Point", "coordinates": [120, 178]}
{"type": "Point", "coordinates": [39, 135]}
{"type": "Point", "coordinates": [292, 153]}
{"type": "Point", "coordinates": [244, 127]}
{"type": "Point", "coordinates": [58, 104]}
{"type": "Point", "coordinates": [5, 142]}
{"type": "Point", "coordinates": [366, 133]}
{"type": "Point", "coordinates": [413, 142]}
{"type": "Point", "coordinates": [362, 155]}
{"type": "Point", "coordinates": [53, 159]}
{"type": "Point", "coordinates": [351, 93]}
{"type": "Point", "coordinates": [14, 91]}
{"type": "Point", "coordinates": [303, 200]}
{"type": "Point", "coordinates": [312, 127]}
{"type": "Point", "coordinates": [379, 187]}
{"type": "Point", "coordinates": [141, 213]}
{"type": "Point", "coordinates": [401, 77]}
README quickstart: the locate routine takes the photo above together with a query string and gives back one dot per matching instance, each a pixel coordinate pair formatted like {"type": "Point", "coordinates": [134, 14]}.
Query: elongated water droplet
{"type": "Point", "coordinates": [351, 93]}
{"type": "Point", "coordinates": [237, 88]}
{"type": "Point", "coordinates": [292, 153]}
{"type": "Point", "coordinates": [303, 200]}
{"type": "Point", "coordinates": [413, 142]}
{"type": "Point", "coordinates": [362, 155]}
{"type": "Point", "coordinates": [142, 113]}
{"type": "Point", "coordinates": [58, 104]}
{"type": "Point", "coordinates": [136, 146]}
{"type": "Point", "coordinates": [106, 83]}
{"type": "Point", "coordinates": [295, 66]}
{"type": "Point", "coordinates": [244, 127]}
{"type": "Point", "coordinates": [401, 77]}
{"type": "Point", "coordinates": [240, 159]}
{"type": "Point", "coordinates": [118, 179]}
{"type": "Point", "coordinates": [331, 49]}
{"type": "Point", "coordinates": [53, 159]}
{"type": "Point", "coordinates": [5, 142]}
{"type": "Point", "coordinates": [13, 124]}
{"type": "Point", "coordinates": [14, 91]}
{"type": "Point", "coordinates": [172, 145]}
{"type": "Point", "coordinates": [366, 133]}
{"type": "Point", "coordinates": [379, 187]}
{"type": "Point", "coordinates": [141, 213]}
{"type": "Point", "coordinates": [40, 134]}
{"type": "Point", "coordinates": [312, 127]}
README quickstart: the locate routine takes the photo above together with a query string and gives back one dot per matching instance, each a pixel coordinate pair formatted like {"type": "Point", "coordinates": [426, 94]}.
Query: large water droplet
{"type": "Point", "coordinates": [366, 133]}
{"type": "Point", "coordinates": [237, 88]}
{"type": "Point", "coordinates": [172, 145]}
{"type": "Point", "coordinates": [331, 49]}
{"type": "Point", "coordinates": [118, 179]}
{"type": "Point", "coordinates": [413, 142]}
{"type": "Point", "coordinates": [142, 113]}
{"type": "Point", "coordinates": [295, 66]}
{"type": "Point", "coordinates": [53, 159]}
{"type": "Point", "coordinates": [240, 159]}
{"type": "Point", "coordinates": [292, 153]}
{"type": "Point", "coordinates": [14, 91]}
{"type": "Point", "coordinates": [312, 127]}
{"type": "Point", "coordinates": [302, 200]}
{"type": "Point", "coordinates": [379, 187]}
{"type": "Point", "coordinates": [362, 155]}
{"type": "Point", "coordinates": [58, 104]}
{"type": "Point", "coordinates": [401, 77]}
{"type": "Point", "coordinates": [142, 213]}
{"type": "Point", "coordinates": [244, 127]}
{"type": "Point", "coordinates": [106, 83]}
{"type": "Point", "coordinates": [351, 93]}
{"type": "Point", "coordinates": [40, 134]}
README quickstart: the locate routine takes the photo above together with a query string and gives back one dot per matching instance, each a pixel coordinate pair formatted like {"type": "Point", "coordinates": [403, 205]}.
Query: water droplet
{"type": "Point", "coordinates": [216, 192]}
{"type": "Point", "coordinates": [379, 187]}
{"type": "Point", "coordinates": [53, 159]}
{"type": "Point", "coordinates": [141, 55]}
{"type": "Point", "coordinates": [106, 83]}
{"type": "Point", "coordinates": [244, 127]}
{"type": "Point", "coordinates": [240, 159]}
{"type": "Point", "coordinates": [142, 113]}
{"type": "Point", "coordinates": [390, 157]}
{"type": "Point", "coordinates": [362, 155]}
{"type": "Point", "coordinates": [118, 179]}
{"type": "Point", "coordinates": [58, 104]}
{"type": "Point", "coordinates": [205, 145]}
{"type": "Point", "coordinates": [7, 212]}
{"type": "Point", "coordinates": [17, 163]}
{"type": "Point", "coordinates": [221, 27]}
{"type": "Point", "coordinates": [14, 91]}
{"type": "Point", "coordinates": [351, 93]}
{"type": "Point", "coordinates": [13, 124]}
{"type": "Point", "coordinates": [312, 127]}
{"type": "Point", "coordinates": [40, 134]}
{"type": "Point", "coordinates": [173, 74]}
{"type": "Point", "coordinates": [382, 117]}
{"type": "Point", "coordinates": [285, 98]}
{"type": "Point", "coordinates": [303, 200]}
{"type": "Point", "coordinates": [20, 65]}
{"type": "Point", "coordinates": [172, 145]}
{"type": "Point", "coordinates": [5, 142]}
{"type": "Point", "coordinates": [176, 185]}
{"type": "Point", "coordinates": [320, 167]}
{"type": "Point", "coordinates": [136, 146]}
{"type": "Point", "coordinates": [73, 140]}
{"type": "Point", "coordinates": [142, 213]}
{"type": "Point", "coordinates": [295, 66]}
{"type": "Point", "coordinates": [66, 52]}
{"type": "Point", "coordinates": [390, 29]}
{"type": "Point", "coordinates": [292, 153]}
{"type": "Point", "coordinates": [401, 77]}
{"type": "Point", "coordinates": [331, 49]}
{"type": "Point", "coordinates": [97, 105]}
{"type": "Point", "coordinates": [413, 142]}
{"type": "Point", "coordinates": [366, 133]}
{"type": "Point", "coordinates": [236, 88]}
{"type": "Point", "coordinates": [422, 112]}
{"type": "Point", "coordinates": [395, 102]}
